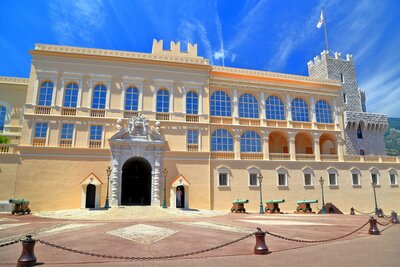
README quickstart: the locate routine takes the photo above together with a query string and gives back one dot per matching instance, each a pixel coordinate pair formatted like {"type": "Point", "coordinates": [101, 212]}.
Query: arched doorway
{"type": "Point", "coordinates": [90, 196]}
{"type": "Point", "coordinates": [136, 182]}
{"type": "Point", "coordinates": [180, 196]}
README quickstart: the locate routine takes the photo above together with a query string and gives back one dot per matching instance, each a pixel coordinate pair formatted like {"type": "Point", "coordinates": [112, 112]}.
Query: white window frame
{"type": "Point", "coordinates": [7, 121]}
{"type": "Point", "coordinates": [256, 171]}
{"type": "Point", "coordinates": [193, 87]}
{"type": "Point", "coordinates": [47, 130]}
{"type": "Point", "coordinates": [41, 76]}
{"type": "Point", "coordinates": [308, 170]}
{"type": "Point", "coordinates": [358, 172]}
{"type": "Point", "coordinates": [224, 170]}
{"type": "Point", "coordinates": [103, 133]}
{"type": "Point", "coordinates": [70, 77]}
{"type": "Point", "coordinates": [60, 124]}
{"type": "Point", "coordinates": [166, 85]}
{"type": "Point", "coordinates": [284, 171]}
{"type": "Point", "coordinates": [332, 170]}
{"type": "Point", "coordinates": [94, 80]}
{"type": "Point", "coordinates": [372, 171]}
{"type": "Point", "coordinates": [135, 82]}
{"type": "Point", "coordinates": [392, 171]}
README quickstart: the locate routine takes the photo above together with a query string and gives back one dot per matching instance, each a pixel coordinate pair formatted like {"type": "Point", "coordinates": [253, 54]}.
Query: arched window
{"type": "Point", "coordinates": [99, 96]}
{"type": "Point", "coordinates": [2, 117]}
{"type": "Point", "coordinates": [221, 140]}
{"type": "Point", "coordinates": [362, 152]}
{"type": "Point", "coordinates": [220, 104]}
{"type": "Point", "coordinates": [359, 132]}
{"type": "Point", "coordinates": [248, 106]}
{"type": "Point", "coordinates": [71, 95]}
{"type": "Point", "coordinates": [46, 93]}
{"type": "Point", "coordinates": [131, 98]}
{"type": "Point", "coordinates": [250, 141]}
{"type": "Point", "coordinates": [323, 112]}
{"type": "Point", "coordinates": [162, 100]}
{"type": "Point", "coordinates": [299, 110]}
{"type": "Point", "coordinates": [275, 109]}
{"type": "Point", "coordinates": [192, 103]}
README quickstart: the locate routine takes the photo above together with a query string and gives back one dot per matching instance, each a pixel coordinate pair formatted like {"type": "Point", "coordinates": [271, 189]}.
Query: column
{"type": "Point", "coordinates": [114, 180]}
{"type": "Point", "coordinates": [235, 104]}
{"type": "Point", "coordinates": [289, 110]}
{"type": "Point", "coordinates": [60, 97]}
{"type": "Point", "coordinates": [336, 114]}
{"type": "Point", "coordinates": [155, 98]}
{"type": "Point", "coordinates": [317, 151]}
{"type": "Point", "coordinates": [156, 183]}
{"type": "Point", "coordinates": [266, 147]}
{"type": "Point", "coordinates": [262, 106]}
{"type": "Point", "coordinates": [292, 148]}
{"type": "Point", "coordinates": [340, 150]}
{"type": "Point", "coordinates": [313, 116]}
{"type": "Point", "coordinates": [236, 138]}
{"type": "Point", "coordinates": [200, 100]}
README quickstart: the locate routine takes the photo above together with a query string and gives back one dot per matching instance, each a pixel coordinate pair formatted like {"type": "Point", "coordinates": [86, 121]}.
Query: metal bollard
{"type": "Point", "coordinates": [394, 218]}
{"type": "Point", "coordinates": [261, 247]}
{"type": "Point", "coordinates": [352, 211]}
{"type": "Point", "coordinates": [373, 228]}
{"type": "Point", "coordinates": [27, 257]}
{"type": "Point", "coordinates": [380, 213]}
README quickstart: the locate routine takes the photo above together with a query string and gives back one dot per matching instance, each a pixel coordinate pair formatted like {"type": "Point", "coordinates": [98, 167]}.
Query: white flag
{"type": "Point", "coordinates": [321, 20]}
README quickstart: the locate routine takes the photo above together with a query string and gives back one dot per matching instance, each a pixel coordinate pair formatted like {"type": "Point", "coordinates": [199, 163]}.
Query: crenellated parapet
{"type": "Point", "coordinates": [324, 55]}
{"type": "Point", "coordinates": [367, 121]}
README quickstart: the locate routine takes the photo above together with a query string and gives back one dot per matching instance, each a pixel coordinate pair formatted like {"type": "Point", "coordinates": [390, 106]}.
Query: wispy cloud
{"type": "Point", "coordinates": [77, 21]}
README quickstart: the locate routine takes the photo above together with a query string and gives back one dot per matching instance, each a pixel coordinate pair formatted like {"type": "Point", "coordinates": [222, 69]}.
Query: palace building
{"type": "Point", "coordinates": [168, 120]}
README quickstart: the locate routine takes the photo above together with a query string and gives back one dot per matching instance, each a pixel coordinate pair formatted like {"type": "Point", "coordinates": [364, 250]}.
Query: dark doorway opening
{"type": "Point", "coordinates": [182, 202]}
{"type": "Point", "coordinates": [136, 182]}
{"type": "Point", "coordinates": [90, 196]}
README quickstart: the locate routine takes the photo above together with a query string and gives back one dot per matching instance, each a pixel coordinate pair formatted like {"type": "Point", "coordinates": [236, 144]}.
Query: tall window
{"type": "Point", "coordinates": [41, 130]}
{"type": "Point", "coordinates": [393, 178]}
{"type": "Point", "coordinates": [96, 132]}
{"type": "Point", "coordinates": [359, 132]}
{"type": "Point", "coordinates": [192, 103]}
{"type": "Point", "coordinates": [248, 106]}
{"type": "Point", "coordinates": [307, 179]}
{"type": "Point", "coordinates": [362, 152]}
{"type": "Point", "coordinates": [253, 179]}
{"type": "Point", "coordinates": [220, 104]}
{"type": "Point", "coordinates": [282, 181]}
{"type": "Point", "coordinates": [250, 141]}
{"type": "Point", "coordinates": [344, 98]}
{"type": "Point", "coordinates": [67, 131]}
{"type": "Point", "coordinates": [275, 109]}
{"type": "Point", "coordinates": [332, 178]}
{"type": "Point", "coordinates": [131, 98]}
{"type": "Point", "coordinates": [299, 110]}
{"type": "Point", "coordinates": [223, 179]}
{"type": "Point", "coordinates": [192, 137]}
{"type": "Point", "coordinates": [323, 112]}
{"type": "Point", "coordinates": [374, 178]}
{"type": "Point", "coordinates": [2, 117]}
{"type": "Point", "coordinates": [71, 95]}
{"type": "Point", "coordinates": [355, 178]}
{"type": "Point", "coordinates": [162, 100]}
{"type": "Point", "coordinates": [99, 97]}
{"type": "Point", "coordinates": [221, 140]}
{"type": "Point", "coordinates": [46, 94]}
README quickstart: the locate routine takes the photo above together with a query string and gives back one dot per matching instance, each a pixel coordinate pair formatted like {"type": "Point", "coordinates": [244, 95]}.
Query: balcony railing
{"type": "Point", "coordinates": [326, 126]}
{"type": "Point", "coordinates": [94, 144]}
{"type": "Point", "coordinates": [302, 124]}
{"type": "Point", "coordinates": [130, 113]}
{"type": "Point", "coordinates": [305, 157]}
{"type": "Point", "coordinates": [279, 156]}
{"type": "Point", "coordinates": [68, 111]}
{"type": "Point", "coordinates": [162, 116]}
{"type": "Point", "coordinates": [65, 143]}
{"type": "Point", "coordinates": [192, 118]}
{"type": "Point", "coordinates": [371, 158]}
{"type": "Point", "coordinates": [5, 148]}
{"type": "Point", "coordinates": [221, 120]}
{"type": "Point", "coordinates": [329, 157]}
{"type": "Point", "coordinates": [98, 113]}
{"type": "Point", "coordinates": [251, 122]}
{"type": "Point", "coordinates": [352, 158]}
{"type": "Point", "coordinates": [192, 147]}
{"type": "Point", "coordinates": [42, 110]}
{"type": "Point", "coordinates": [276, 123]}
{"type": "Point", "coordinates": [222, 155]}
{"type": "Point", "coordinates": [388, 159]}
{"type": "Point", "coordinates": [251, 156]}
{"type": "Point", "coordinates": [39, 142]}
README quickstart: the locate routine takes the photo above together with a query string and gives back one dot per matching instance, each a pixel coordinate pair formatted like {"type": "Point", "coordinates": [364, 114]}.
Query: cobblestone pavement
{"type": "Point", "coordinates": [134, 232]}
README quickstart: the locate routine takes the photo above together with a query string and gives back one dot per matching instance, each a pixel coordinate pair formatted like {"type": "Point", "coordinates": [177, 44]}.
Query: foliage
{"type": "Point", "coordinates": [4, 139]}
{"type": "Point", "coordinates": [392, 137]}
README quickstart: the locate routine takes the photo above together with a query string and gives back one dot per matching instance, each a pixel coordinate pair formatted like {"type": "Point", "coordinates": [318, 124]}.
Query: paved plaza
{"type": "Point", "coordinates": [152, 232]}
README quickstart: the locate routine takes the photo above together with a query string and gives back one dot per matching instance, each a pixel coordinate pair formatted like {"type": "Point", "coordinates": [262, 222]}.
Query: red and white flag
{"type": "Point", "coordinates": [321, 20]}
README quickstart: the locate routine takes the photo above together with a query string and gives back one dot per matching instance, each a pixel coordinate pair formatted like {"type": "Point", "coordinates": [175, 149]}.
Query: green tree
{"type": "Point", "coordinates": [4, 139]}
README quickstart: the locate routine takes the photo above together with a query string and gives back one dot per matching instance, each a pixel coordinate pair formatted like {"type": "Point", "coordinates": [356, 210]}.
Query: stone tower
{"type": "Point", "coordinates": [363, 131]}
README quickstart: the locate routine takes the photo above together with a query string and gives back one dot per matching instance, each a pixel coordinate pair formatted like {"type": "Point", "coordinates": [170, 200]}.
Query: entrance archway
{"type": "Point", "coordinates": [136, 182]}
{"type": "Point", "coordinates": [180, 197]}
{"type": "Point", "coordinates": [90, 196]}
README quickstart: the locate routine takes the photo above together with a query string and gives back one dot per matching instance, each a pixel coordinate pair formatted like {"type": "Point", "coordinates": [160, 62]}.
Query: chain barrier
{"type": "Point", "coordinates": [364, 213]}
{"type": "Point", "coordinates": [316, 241]}
{"type": "Point", "coordinates": [383, 224]}
{"type": "Point", "coordinates": [141, 258]}
{"type": "Point", "coordinates": [386, 217]}
{"type": "Point", "coordinates": [387, 227]}
{"type": "Point", "coordinates": [9, 243]}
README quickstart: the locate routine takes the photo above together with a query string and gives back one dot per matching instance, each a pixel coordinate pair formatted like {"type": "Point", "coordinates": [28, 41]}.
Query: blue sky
{"type": "Point", "coordinates": [272, 35]}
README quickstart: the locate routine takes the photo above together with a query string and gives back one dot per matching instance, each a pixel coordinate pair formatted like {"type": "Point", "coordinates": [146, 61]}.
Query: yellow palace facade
{"type": "Point", "coordinates": [214, 130]}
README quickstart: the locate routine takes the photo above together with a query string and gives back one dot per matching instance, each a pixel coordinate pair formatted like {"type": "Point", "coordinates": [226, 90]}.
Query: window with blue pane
{"type": "Point", "coordinates": [192, 137]}
{"type": "Point", "coordinates": [299, 110]}
{"type": "Point", "coordinates": [162, 100]}
{"type": "Point", "coordinates": [67, 131]}
{"type": "Point", "coordinates": [2, 117]}
{"type": "Point", "coordinates": [220, 104]}
{"type": "Point", "coordinates": [323, 112]}
{"type": "Point", "coordinates": [96, 132]}
{"type": "Point", "coordinates": [274, 108]}
{"type": "Point", "coordinates": [46, 94]}
{"type": "Point", "coordinates": [131, 98]}
{"type": "Point", "coordinates": [221, 140]}
{"type": "Point", "coordinates": [250, 141]}
{"type": "Point", "coordinates": [192, 103]}
{"type": "Point", "coordinates": [41, 130]}
{"type": "Point", "coordinates": [71, 95]}
{"type": "Point", "coordinates": [248, 106]}
{"type": "Point", "coordinates": [99, 97]}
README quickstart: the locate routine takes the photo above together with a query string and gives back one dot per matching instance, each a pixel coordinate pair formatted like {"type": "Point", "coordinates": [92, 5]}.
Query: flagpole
{"type": "Point", "coordinates": [326, 33]}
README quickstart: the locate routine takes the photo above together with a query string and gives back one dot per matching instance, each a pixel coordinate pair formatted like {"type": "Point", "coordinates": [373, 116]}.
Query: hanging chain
{"type": "Point", "coordinates": [9, 243]}
{"type": "Point", "coordinates": [364, 213]}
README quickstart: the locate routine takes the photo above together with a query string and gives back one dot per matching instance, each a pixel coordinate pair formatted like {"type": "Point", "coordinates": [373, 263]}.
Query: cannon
{"type": "Point", "coordinates": [273, 205]}
{"type": "Point", "coordinates": [305, 205]}
{"type": "Point", "coordinates": [238, 205]}
{"type": "Point", "coordinates": [20, 206]}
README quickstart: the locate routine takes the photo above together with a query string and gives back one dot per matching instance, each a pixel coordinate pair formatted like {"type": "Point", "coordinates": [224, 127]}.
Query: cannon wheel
{"type": "Point", "coordinates": [298, 208]}
{"type": "Point", "coordinates": [244, 210]}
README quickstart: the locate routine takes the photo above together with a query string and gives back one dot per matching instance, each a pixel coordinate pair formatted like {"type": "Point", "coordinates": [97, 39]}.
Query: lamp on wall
{"type": "Point", "coordinates": [321, 182]}
{"type": "Point", "coordinates": [107, 205]}
{"type": "Point", "coordinates": [165, 172]}
{"type": "Point", "coordinates": [260, 178]}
